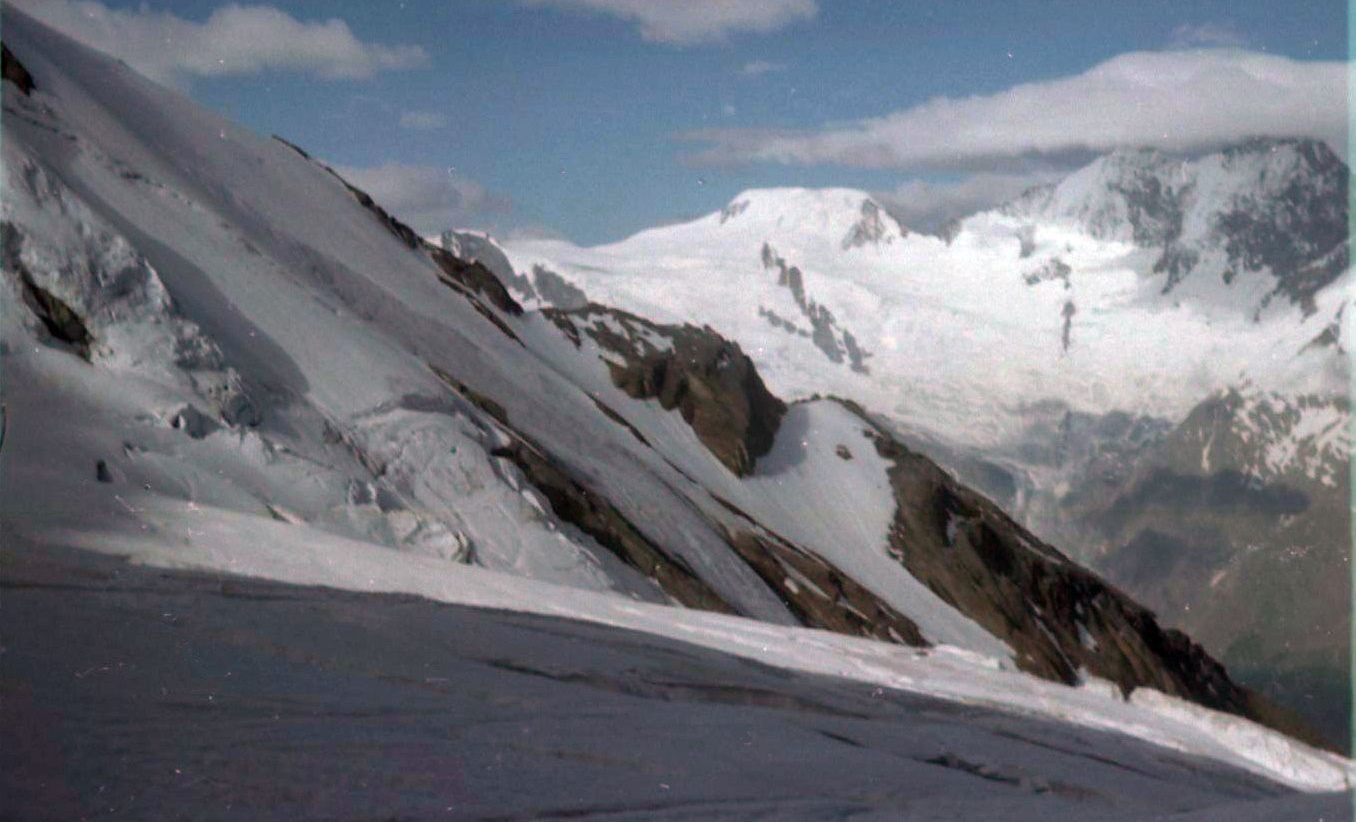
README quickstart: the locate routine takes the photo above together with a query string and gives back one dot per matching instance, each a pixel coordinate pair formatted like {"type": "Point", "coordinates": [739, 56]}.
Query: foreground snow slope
{"type": "Point", "coordinates": [274, 378]}
{"type": "Point", "coordinates": [256, 547]}
{"type": "Point", "coordinates": [229, 698]}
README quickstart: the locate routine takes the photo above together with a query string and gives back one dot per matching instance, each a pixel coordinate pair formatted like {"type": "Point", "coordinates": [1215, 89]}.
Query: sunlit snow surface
{"type": "Point", "coordinates": [145, 694]}
{"type": "Point", "coordinates": [964, 334]}
{"type": "Point", "coordinates": [293, 308]}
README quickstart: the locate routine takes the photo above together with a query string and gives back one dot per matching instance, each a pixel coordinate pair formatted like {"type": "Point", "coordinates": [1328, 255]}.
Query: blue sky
{"type": "Point", "coordinates": [576, 116]}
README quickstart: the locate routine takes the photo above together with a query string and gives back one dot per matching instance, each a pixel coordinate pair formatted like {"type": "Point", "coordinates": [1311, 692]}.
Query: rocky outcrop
{"type": "Point", "coordinates": [820, 595]}
{"type": "Point", "coordinates": [1061, 620]}
{"type": "Point", "coordinates": [59, 320]}
{"type": "Point", "coordinates": [14, 71]}
{"type": "Point", "coordinates": [591, 513]}
{"type": "Point", "coordinates": [837, 343]}
{"type": "Point", "coordinates": [474, 247]}
{"type": "Point", "coordinates": [475, 278]}
{"type": "Point", "coordinates": [572, 501]}
{"type": "Point", "coordinates": [869, 230]}
{"type": "Point", "coordinates": [694, 371]}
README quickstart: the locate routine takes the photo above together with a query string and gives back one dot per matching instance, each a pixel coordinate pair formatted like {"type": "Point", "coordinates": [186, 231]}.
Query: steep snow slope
{"type": "Point", "coordinates": [274, 377]}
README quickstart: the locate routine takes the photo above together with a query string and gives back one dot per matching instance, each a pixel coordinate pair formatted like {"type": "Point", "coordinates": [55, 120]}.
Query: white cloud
{"type": "Point", "coordinates": [1176, 100]}
{"type": "Point", "coordinates": [691, 22]}
{"type": "Point", "coordinates": [928, 206]}
{"type": "Point", "coordinates": [1214, 35]}
{"type": "Point", "coordinates": [422, 120]}
{"type": "Point", "coordinates": [430, 199]}
{"type": "Point", "coordinates": [754, 68]}
{"type": "Point", "coordinates": [235, 39]}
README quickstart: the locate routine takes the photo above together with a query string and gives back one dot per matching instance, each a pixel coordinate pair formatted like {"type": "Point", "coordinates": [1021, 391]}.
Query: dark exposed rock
{"type": "Point", "coordinates": [1054, 270]}
{"type": "Point", "coordinates": [101, 472]}
{"type": "Point", "coordinates": [706, 378]}
{"type": "Point", "coordinates": [778, 321]}
{"type": "Point", "coordinates": [298, 149]}
{"type": "Point", "coordinates": [820, 595]}
{"type": "Point", "coordinates": [822, 325]}
{"type": "Point", "coordinates": [477, 248]}
{"type": "Point", "coordinates": [1059, 618]}
{"type": "Point", "coordinates": [855, 353]}
{"type": "Point", "coordinates": [574, 503]}
{"type": "Point", "coordinates": [1329, 337]}
{"type": "Point", "coordinates": [869, 230]}
{"type": "Point", "coordinates": [1299, 232]}
{"type": "Point", "coordinates": [611, 413]}
{"type": "Point", "coordinates": [233, 400]}
{"type": "Point", "coordinates": [14, 71]}
{"type": "Point", "coordinates": [732, 210]}
{"type": "Point", "coordinates": [824, 332]}
{"type": "Point", "coordinates": [193, 422]}
{"type": "Point", "coordinates": [58, 318]}
{"type": "Point", "coordinates": [476, 278]}
{"type": "Point", "coordinates": [1068, 312]}
{"type": "Point", "coordinates": [479, 400]}
{"type": "Point", "coordinates": [1154, 209]}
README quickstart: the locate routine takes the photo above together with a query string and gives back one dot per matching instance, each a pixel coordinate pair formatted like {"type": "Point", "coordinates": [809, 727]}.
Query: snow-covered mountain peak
{"type": "Point", "coordinates": [836, 219]}
{"type": "Point", "coordinates": [1268, 213]}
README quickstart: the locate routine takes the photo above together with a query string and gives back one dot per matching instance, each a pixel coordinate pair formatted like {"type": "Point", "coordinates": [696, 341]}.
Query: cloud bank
{"type": "Point", "coordinates": [234, 40]}
{"type": "Point", "coordinates": [694, 22]}
{"type": "Point", "coordinates": [755, 68]}
{"type": "Point", "coordinates": [430, 199]}
{"type": "Point", "coordinates": [928, 206]}
{"type": "Point", "coordinates": [1175, 100]}
{"type": "Point", "coordinates": [422, 120]}
{"type": "Point", "coordinates": [1214, 35]}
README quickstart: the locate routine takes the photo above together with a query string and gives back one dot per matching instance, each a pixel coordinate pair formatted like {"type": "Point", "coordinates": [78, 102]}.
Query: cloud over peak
{"type": "Point", "coordinates": [694, 22]}
{"type": "Point", "coordinates": [429, 198]}
{"type": "Point", "coordinates": [1175, 100]}
{"type": "Point", "coordinates": [1213, 35]}
{"type": "Point", "coordinates": [234, 40]}
{"type": "Point", "coordinates": [754, 68]}
{"type": "Point", "coordinates": [422, 120]}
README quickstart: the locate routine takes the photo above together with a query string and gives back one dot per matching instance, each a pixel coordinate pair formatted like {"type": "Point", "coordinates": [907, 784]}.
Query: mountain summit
{"type": "Point", "coordinates": [1269, 214]}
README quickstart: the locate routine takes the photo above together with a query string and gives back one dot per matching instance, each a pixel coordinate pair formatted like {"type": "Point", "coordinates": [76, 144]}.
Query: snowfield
{"type": "Point", "coordinates": [221, 698]}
